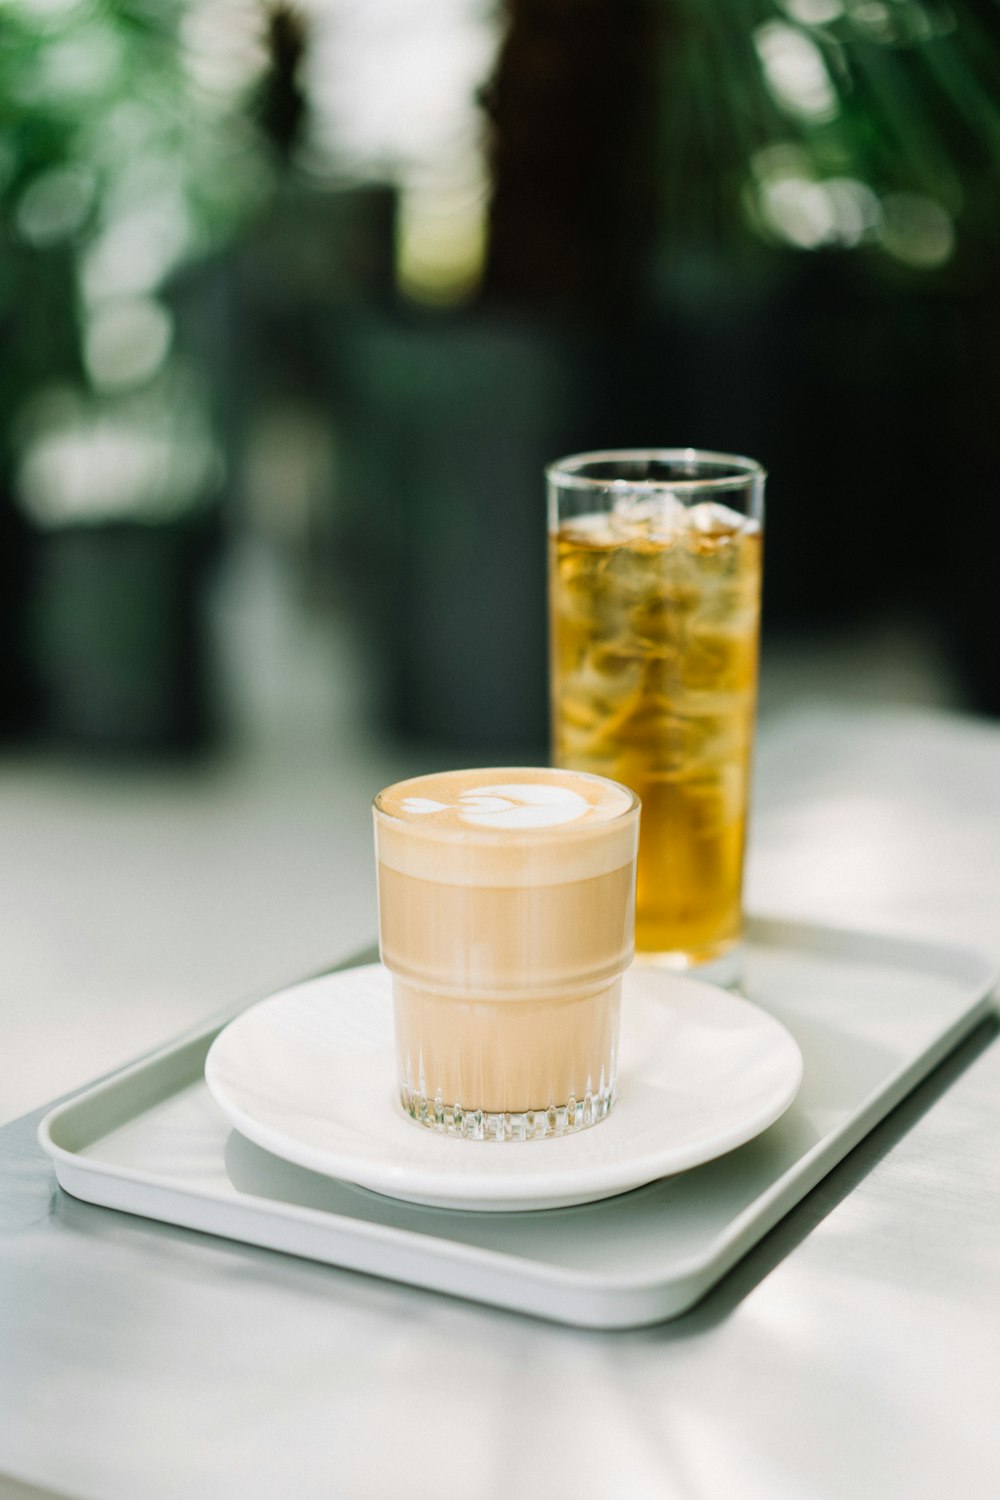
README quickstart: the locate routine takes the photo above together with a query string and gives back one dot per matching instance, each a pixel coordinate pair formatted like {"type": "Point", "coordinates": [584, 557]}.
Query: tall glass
{"type": "Point", "coordinates": [654, 600]}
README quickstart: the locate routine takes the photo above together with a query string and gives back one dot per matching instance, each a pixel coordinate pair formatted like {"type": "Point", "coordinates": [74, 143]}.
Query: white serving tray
{"type": "Point", "coordinates": [872, 1015]}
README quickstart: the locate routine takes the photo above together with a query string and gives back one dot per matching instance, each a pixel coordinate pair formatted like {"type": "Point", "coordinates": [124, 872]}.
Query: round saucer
{"type": "Point", "coordinates": [309, 1074]}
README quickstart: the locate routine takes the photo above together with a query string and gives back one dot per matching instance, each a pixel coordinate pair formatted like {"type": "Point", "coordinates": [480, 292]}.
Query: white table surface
{"type": "Point", "coordinates": [855, 1353]}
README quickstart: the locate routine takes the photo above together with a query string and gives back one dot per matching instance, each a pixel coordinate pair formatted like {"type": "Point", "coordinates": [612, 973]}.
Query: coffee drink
{"type": "Point", "coordinates": [506, 918]}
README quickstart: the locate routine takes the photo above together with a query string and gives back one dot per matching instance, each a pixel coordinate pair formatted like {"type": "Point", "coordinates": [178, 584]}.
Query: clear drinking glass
{"type": "Point", "coordinates": [654, 604]}
{"type": "Point", "coordinates": [506, 918]}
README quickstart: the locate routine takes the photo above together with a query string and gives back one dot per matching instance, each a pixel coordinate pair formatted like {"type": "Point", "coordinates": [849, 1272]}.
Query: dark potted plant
{"type": "Point", "coordinates": [118, 172]}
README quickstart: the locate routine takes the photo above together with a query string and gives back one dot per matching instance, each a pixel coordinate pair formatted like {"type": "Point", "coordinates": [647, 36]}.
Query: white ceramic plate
{"type": "Point", "coordinates": [309, 1074]}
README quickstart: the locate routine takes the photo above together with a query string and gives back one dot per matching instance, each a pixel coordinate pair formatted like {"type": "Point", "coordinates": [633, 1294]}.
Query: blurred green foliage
{"type": "Point", "coordinates": [117, 166]}
{"type": "Point", "coordinates": [897, 95]}
{"type": "Point", "coordinates": [627, 139]}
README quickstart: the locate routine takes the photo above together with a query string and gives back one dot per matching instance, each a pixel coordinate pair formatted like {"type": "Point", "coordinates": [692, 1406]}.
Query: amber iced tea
{"type": "Point", "coordinates": [655, 603]}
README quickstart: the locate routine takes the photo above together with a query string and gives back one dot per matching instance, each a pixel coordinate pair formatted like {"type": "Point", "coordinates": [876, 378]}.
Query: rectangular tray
{"type": "Point", "coordinates": [873, 1016]}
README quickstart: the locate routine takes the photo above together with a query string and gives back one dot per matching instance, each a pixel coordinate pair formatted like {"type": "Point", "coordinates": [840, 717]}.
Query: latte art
{"type": "Point", "coordinates": [511, 805]}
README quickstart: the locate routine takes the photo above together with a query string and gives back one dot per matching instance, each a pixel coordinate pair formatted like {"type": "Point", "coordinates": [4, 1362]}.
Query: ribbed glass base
{"type": "Point", "coordinates": [508, 1125]}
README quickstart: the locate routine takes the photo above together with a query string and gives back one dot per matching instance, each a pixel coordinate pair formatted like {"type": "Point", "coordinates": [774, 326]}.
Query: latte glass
{"type": "Point", "coordinates": [506, 919]}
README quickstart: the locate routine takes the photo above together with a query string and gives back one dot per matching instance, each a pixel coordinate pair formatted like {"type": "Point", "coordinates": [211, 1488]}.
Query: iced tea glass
{"type": "Point", "coordinates": [654, 605]}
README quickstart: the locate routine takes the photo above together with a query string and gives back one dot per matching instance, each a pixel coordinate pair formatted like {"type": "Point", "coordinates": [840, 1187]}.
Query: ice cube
{"type": "Point", "coordinates": [715, 532]}
{"type": "Point", "coordinates": [709, 518]}
{"type": "Point", "coordinates": [589, 529]}
{"type": "Point", "coordinates": [638, 511]}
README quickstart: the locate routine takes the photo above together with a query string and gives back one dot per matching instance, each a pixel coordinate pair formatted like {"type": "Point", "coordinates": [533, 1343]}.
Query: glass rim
{"type": "Point", "coordinates": [565, 472]}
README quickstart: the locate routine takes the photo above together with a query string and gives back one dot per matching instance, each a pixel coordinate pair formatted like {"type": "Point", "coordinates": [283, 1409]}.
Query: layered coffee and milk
{"type": "Point", "coordinates": [506, 917]}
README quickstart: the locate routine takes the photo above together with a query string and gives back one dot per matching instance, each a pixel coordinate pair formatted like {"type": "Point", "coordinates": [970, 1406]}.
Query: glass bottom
{"type": "Point", "coordinates": [725, 969]}
{"type": "Point", "coordinates": [502, 1068]}
{"type": "Point", "coordinates": [508, 1125]}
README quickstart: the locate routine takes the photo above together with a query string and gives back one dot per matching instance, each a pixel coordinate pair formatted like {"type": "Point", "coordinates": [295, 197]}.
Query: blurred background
{"type": "Point", "coordinates": [295, 303]}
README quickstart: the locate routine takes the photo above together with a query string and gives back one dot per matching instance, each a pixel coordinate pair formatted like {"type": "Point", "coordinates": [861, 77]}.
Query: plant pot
{"type": "Point", "coordinates": [118, 636]}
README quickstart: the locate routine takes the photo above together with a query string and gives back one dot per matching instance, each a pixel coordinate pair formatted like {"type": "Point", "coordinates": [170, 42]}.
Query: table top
{"type": "Point", "coordinates": [855, 1351]}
